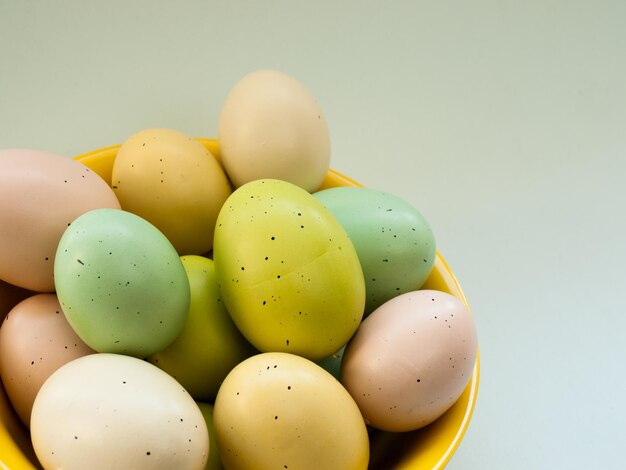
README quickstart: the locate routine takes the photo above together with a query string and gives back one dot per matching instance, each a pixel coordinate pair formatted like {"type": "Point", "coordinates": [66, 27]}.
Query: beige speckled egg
{"type": "Point", "coordinates": [35, 340]}
{"type": "Point", "coordinates": [410, 360]}
{"type": "Point", "coordinates": [110, 411]}
{"type": "Point", "coordinates": [272, 127]}
{"type": "Point", "coordinates": [40, 195]}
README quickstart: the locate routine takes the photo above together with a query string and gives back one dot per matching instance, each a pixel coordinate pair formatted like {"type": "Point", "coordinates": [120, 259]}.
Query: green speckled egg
{"type": "Point", "coordinates": [394, 242]}
{"type": "Point", "coordinates": [121, 283]}
{"type": "Point", "coordinates": [287, 271]}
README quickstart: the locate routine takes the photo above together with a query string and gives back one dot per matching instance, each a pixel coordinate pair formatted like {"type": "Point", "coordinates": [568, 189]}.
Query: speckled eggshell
{"type": "Point", "coordinates": [175, 183]}
{"type": "Point", "coordinates": [210, 344]}
{"type": "Point", "coordinates": [279, 410]}
{"type": "Point", "coordinates": [395, 243]}
{"type": "Point", "coordinates": [287, 271]}
{"type": "Point", "coordinates": [410, 360]}
{"type": "Point", "coordinates": [107, 411]}
{"type": "Point", "coordinates": [40, 195]}
{"type": "Point", "coordinates": [35, 340]}
{"type": "Point", "coordinates": [272, 127]}
{"type": "Point", "coordinates": [121, 283]}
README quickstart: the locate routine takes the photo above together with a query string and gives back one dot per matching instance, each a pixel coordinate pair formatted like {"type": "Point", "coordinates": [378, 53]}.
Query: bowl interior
{"type": "Point", "coordinates": [428, 448]}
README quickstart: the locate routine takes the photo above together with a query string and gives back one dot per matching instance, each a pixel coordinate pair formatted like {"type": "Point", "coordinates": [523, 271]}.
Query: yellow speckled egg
{"type": "Point", "coordinates": [272, 127]}
{"type": "Point", "coordinates": [281, 411]}
{"type": "Point", "coordinates": [287, 271]}
{"type": "Point", "coordinates": [173, 182]}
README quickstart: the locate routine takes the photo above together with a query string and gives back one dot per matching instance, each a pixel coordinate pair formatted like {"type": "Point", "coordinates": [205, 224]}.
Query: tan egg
{"type": "Point", "coordinates": [40, 195]}
{"type": "Point", "coordinates": [173, 182]}
{"type": "Point", "coordinates": [278, 410]}
{"type": "Point", "coordinates": [272, 127]}
{"type": "Point", "coordinates": [35, 340]}
{"type": "Point", "coordinates": [410, 360]}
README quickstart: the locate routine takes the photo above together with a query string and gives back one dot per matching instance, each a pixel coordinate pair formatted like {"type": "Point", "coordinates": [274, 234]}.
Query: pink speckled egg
{"type": "Point", "coordinates": [40, 195]}
{"type": "Point", "coordinates": [35, 340]}
{"type": "Point", "coordinates": [410, 360]}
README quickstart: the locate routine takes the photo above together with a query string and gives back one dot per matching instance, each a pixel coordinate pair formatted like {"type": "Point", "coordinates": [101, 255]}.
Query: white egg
{"type": "Point", "coordinates": [106, 411]}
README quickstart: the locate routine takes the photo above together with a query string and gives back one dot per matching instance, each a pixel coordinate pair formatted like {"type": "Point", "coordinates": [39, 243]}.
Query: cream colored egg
{"type": "Point", "coordinates": [272, 127]}
{"type": "Point", "coordinates": [107, 411]}
{"type": "Point", "coordinates": [175, 183]}
{"type": "Point", "coordinates": [281, 411]}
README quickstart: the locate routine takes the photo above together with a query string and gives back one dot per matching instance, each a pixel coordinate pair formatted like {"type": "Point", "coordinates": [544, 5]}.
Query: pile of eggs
{"type": "Point", "coordinates": [220, 310]}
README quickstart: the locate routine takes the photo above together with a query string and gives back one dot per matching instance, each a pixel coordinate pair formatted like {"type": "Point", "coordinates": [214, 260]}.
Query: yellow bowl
{"type": "Point", "coordinates": [427, 448]}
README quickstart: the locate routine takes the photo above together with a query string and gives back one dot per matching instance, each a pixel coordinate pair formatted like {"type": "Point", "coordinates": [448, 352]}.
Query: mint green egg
{"type": "Point", "coordinates": [332, 363]}
{"type": "Point", "coordinates": [394, 242]}
{"type": "Point", "coordinates": [121, 284]}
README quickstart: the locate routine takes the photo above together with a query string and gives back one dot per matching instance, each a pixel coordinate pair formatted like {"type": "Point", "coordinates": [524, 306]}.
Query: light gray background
{"type": "Point", "coordinates": [503, 122]}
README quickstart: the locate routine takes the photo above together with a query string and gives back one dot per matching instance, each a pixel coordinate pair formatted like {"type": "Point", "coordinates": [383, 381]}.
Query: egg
{"type": "Point", "coordinates": [121, 283]}
{"type": "Point", "coordinates": [214, 462]}
{"type": "Point", "coordinates": [287, 271]}
{"type": "Point", "coordinates": [35, 340]}
{"type": "Point", "coordinates": [106, 411]}
{"type": "Point", "coordinates": [272, 127]}
{"type": "Point", "coordinates": [279, 410]}
{"type": "Point", "coordinates": [332, 363]}
{"type": "Point", "coordinates": [210, 344]}
{"type": "Point", "coordinates": [40, 195]}
{"type": "Point", "coordinates": [394, 241]}
{"type": "Point", "coordinates": [410, 360]}
{"type": "Point", "coordinates": [173, 182]}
